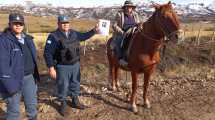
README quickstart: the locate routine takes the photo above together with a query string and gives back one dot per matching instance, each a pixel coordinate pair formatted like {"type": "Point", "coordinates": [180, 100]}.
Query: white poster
{"type": "Point", "coordinates": [104, 26]}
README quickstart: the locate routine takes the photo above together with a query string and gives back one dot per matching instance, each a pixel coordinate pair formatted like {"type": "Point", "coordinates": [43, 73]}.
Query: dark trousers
{"type": "Point", "coordinates": [68, 81]}
{"type": "Point", "coordinates": [118, 48]}
{"type": "Point", "coordinates": [29, 93]}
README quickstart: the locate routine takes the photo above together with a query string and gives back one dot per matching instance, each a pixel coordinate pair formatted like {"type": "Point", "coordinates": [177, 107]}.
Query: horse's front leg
{"type": "Point", "coordinates": [147, 77]}
{"type": "Point", "coordinates": [113, 78]}
{"type": "Point", "coordinates": [117, 84]}
{"type": "Point", "coordinates": [133, 98]}
{"type": "Point", "coordinates": [112, 83]}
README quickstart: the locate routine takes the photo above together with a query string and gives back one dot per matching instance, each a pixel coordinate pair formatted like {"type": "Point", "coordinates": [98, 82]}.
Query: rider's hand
{"type": "Point", "coordinates": [140, 26]}
{"type": "Point", "coordinates": [128, 32]}
{"type": "Point", "coordinates": [52, 73]}
{"type": "Point", "coordinates": [122, 32]}
{"type": "Point", "coordinates": [96, 29]}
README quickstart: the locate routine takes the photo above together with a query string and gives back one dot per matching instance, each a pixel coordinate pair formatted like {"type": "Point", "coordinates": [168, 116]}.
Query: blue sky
{"type": "Point", "coordinates": [90, 3]}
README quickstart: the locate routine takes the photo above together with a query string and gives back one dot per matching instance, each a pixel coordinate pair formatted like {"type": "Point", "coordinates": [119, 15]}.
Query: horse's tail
{"type": "Point", "coordinates": [108, 48]}
{"type": "Point", "coordinates": [108, 43]}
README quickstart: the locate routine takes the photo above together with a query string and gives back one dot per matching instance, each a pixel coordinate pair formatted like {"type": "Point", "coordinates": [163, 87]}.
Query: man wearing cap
{"type": "Point", "coordinates": [18, 69]}
{"type": "Point", "coordinates": [125, 19]}
{"type": "Point", "coordinates": [63, 61]}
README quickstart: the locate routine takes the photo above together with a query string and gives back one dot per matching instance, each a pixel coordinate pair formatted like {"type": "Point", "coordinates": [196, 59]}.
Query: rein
{"type": "Point", "coordinates": [162, 42]}
{"type": "Point", "coordinates": [166, 32]}
{"type": "Point", "coordinates": [141, 31]}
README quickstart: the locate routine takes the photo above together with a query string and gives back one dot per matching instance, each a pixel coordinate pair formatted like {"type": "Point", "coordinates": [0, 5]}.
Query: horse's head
{"type": "Point", "coordinates": [167, 21]}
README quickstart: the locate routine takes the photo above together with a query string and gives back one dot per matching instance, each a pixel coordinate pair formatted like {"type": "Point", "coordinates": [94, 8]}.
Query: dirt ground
{"type": "Point", "coordinates": [185, 93]}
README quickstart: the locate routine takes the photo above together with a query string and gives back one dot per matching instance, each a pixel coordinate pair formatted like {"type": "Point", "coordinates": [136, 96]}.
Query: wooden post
{"type": "Point", "coordinates": [192, 30]}
{"type": "Point", "coordinates": [199, 32]}
{"type": "Point", "coordinates": [184, 36]}
{"type": "Point", "coordinates": [106, 39]}
{"type": "Point", "coordinates": [126, 79]}
{"type": "Point", "coordinates": [184, 33]}
{"type": "Point", "coordinates": [212, 38]}
{"type": "Point", "coordinates": [85, 44]}
{"type": "Point", "coordinates": [27, 29]}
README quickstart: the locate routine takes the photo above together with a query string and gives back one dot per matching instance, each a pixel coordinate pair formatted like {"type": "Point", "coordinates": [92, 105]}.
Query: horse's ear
{"type": "Point", "coordinates": [155, 5]}
{"type": "Point", "coordinates": [169, 2]}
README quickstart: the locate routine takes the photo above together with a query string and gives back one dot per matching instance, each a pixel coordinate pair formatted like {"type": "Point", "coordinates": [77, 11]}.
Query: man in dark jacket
{"type": "Point", "coordinates": [63, 60]}
{"type": "Point", "coordinates": [18, 69]}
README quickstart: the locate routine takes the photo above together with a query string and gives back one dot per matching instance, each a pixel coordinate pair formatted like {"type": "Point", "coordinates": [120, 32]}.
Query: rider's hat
{"type": "Point", "coordinates": [128, 3]}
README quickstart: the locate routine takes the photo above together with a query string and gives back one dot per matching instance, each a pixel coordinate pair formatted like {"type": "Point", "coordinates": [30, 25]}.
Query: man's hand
{"type": "Point", "coordinates": [52, 73]}
{"type": "Point", "coordinates": [96, 29]}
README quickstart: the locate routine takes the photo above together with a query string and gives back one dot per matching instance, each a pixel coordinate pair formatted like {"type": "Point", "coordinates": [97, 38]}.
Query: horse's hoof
{"type": "Point", "coordinates": [133, 109]}
{"type": "Point", "coordinates": [147, 104]}
{"type": "Point", "coordinates": [110, 88]}
{"type": "Point", "coordinates": [114, 89]}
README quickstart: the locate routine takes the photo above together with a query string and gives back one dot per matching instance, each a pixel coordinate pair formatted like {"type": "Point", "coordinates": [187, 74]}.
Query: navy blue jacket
{"type": "Point", "coordinates": [12, 62]}
{"type": "Point", "coordinates": [52, 44]}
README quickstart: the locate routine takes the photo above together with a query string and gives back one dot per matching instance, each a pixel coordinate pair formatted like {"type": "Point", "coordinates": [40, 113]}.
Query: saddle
{"type": "Point", "coordinates": [125, 43]}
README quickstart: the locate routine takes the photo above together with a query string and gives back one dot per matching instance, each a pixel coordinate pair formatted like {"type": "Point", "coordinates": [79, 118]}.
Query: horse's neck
{"type": "Point", "coordinates": [151, 29]}
{"type": "Point", "coordinates": [149, 40]}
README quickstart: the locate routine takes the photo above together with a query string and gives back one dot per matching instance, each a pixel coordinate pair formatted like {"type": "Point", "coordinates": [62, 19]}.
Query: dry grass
{"type": "Point", "coordinates": [39, 27]}
{"type": "Point", "coordinates": [35, 24]}
{"type": "Point", "coordinates": [189, 34]}
{"type": "Point", "coordinates": [205, 26]}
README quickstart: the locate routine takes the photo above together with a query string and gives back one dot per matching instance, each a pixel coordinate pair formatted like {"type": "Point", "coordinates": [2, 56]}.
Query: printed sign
{"type": "Point", "coordinates": [104, 26]}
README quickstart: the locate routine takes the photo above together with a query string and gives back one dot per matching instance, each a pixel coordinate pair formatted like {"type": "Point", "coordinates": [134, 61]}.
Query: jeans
{"type": "Point", "coordinates": [68, 81]}
{"type": "Point", "coordinates": [118, 49]}
{"type": "Point", "coordinates": [29, 93]}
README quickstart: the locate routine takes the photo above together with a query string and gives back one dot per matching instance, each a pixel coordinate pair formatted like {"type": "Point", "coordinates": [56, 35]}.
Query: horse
{"type": "Point", "coordinates": [144, 50]}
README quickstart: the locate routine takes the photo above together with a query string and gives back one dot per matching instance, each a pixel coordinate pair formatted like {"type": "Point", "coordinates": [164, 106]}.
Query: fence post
{"type": "Point", "coordinates": [184, 33]}
{"type": "Point", "coordinates": [192, 27]}
{"type": "Point", "coordinates": [212, 38]}
{"type": "Point", "coordinates": [85, 44]}
{"type": "Point", "coordinates": [199, 32]}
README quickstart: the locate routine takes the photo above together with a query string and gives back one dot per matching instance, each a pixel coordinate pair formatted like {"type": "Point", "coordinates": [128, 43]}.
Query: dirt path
{"type": "Point", "coordinates": [182, 94]}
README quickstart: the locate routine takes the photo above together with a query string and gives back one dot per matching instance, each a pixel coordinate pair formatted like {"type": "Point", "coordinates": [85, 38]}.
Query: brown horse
{"type": "Point", "coordinates": [144, 50]}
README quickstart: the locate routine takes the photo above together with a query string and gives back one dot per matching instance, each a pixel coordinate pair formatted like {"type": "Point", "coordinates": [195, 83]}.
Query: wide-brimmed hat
{"type": "Point", "coordinates": [128, 3]}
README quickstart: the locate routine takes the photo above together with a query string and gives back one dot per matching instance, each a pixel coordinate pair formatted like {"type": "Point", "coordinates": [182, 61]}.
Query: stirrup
{"type": "Point", "coordinates": [123, 63]}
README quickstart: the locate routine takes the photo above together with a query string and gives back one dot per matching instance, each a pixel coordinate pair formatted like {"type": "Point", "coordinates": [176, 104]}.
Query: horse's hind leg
{"type": "Point", "coordinates": [145, 90]}
{"type": "Point", "coordinates": [113, 70]}
{"type": "Point", "coordinates": [133, 98]}
{"type": "Point", "coordinates": [111, 77]}
{"type": "Point", "coordinates": [116, 72]}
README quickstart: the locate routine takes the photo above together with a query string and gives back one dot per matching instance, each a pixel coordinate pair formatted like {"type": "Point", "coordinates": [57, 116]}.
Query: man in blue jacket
{"type": "Point", "coordinates": [63, 60]}
{"type": "Point", "coordinates": [18, 69]}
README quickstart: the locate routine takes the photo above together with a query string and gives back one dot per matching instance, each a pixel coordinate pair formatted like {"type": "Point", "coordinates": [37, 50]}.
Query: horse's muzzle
{"type": "Point", "coordinates": [176, 36]}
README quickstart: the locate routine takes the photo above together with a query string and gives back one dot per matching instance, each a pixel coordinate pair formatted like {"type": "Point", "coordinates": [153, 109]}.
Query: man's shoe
{"type": "Point", "coordinates": [63, 108]}
{"type": "Point", "coordinates": [76, 103]}
{"type": "Point", "coordinates": [123, 63]}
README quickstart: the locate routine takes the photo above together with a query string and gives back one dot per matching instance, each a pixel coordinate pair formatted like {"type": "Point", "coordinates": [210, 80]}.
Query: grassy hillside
{"type": "Point", "coordinates": [35, 24]}
{"type": "Point", "coordinates": [39, 27]}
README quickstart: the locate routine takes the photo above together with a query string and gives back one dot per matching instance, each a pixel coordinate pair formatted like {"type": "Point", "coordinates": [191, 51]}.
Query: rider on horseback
{"type": "Point", "coordinates": [125, 19]}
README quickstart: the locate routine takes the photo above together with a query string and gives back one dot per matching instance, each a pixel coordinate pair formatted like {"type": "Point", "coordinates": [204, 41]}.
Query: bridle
{"type": "Point", "coordinates": [163, 27]}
